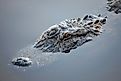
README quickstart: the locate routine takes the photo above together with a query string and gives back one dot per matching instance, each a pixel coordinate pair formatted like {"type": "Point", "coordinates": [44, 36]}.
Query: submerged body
{"type": "Point", "coordinates": [70, 34]}
{"type": "Point", "coordinates": [114, 6]}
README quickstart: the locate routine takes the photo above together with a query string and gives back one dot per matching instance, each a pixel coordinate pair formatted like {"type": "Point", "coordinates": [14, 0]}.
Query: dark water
{"type": "Point", "coordinates": [22, 22]}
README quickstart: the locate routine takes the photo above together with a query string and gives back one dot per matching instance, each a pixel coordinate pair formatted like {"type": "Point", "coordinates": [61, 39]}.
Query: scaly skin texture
{"type": "Point", "coordinates": [114, 6]}
{"type": "Point", "coordinates": [70, 34]}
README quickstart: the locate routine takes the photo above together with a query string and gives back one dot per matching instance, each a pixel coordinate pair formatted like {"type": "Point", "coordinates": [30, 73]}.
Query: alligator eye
{"type": "Point", "coordinates": [97, 21]}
